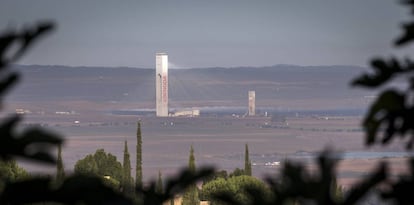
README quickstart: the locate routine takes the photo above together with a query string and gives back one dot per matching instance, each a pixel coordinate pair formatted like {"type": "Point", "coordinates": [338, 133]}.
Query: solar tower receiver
{"type": "Point", "coordinates": [161, 84]}
{"type": "Point", "coordinates": [252, 103]}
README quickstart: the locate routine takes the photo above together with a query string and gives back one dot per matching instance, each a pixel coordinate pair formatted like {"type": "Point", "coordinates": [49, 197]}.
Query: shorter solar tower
{"type": "Point", "coordinates": [252, 103]}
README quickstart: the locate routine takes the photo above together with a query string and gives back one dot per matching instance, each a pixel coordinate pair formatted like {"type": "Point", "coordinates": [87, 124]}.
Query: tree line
{"type": "Point", "coordinates": [118, 176]}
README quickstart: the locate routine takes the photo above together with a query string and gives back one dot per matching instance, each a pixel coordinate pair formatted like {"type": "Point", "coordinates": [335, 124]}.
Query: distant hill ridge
{"type": "Point", "coordinates": [276, 66]}
{"type": "Point", "coordinates": [274, 85]}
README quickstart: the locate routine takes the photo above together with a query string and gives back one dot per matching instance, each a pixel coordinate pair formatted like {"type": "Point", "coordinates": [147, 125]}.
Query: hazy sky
{"type": "Point", "coordinates": [205, 33]}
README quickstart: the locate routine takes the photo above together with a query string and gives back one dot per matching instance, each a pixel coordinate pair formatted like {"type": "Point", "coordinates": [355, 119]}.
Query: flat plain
{"type": "Point", "coordinates": [220, 141]}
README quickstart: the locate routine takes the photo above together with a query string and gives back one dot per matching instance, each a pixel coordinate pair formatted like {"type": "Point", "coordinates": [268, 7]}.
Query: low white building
{"type": "Point", "coordinates": [187, 113]}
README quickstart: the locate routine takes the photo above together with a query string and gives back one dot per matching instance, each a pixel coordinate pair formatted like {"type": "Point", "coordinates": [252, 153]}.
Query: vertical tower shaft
{"type": "Point", "coordinates": [161, 84]}
{"type": "Point", "coordinates": [252, 103]}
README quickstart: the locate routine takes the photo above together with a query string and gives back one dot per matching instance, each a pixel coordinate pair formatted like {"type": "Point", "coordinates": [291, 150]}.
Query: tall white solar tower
{"type": "Point", "coordinates": [252, 103]}
{"type": "Point", "coordinates": [161, 84]}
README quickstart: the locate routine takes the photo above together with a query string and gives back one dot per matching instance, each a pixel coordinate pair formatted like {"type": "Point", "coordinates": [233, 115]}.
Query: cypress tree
{"type": "Point", "coordinates": [247, 162]}
{"type": "Point", "coordinates": [191, 160]}
{"type": "Point", "coordinates": [191, 195]}
{"type": "Point", "coordinates": [126, 175]}
{"type": "Point", "coordinates": [60, 171]}
{"type": "Point", "coordinates": [159, 186]}
{"type": "Point", "coordinates": [138, 167]}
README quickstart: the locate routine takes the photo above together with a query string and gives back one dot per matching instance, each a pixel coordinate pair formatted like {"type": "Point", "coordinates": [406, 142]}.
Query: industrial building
{"type": "Point", "coordinates": [187, 113]}
{"type": "Point", "coordinates": [161, 84]}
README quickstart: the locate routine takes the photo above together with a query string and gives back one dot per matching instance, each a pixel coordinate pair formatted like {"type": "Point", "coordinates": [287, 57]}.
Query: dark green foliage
{"type": "Point", "coordinates": [159, 186]}
{"type": "Point", "coordinates": [60, 170]}
{"type": "Point", "coordinates": [217, 186]}
{"type": "Point", "coordinates": [10, 171]}
{"type": "Point", "coordinates": [108, 165]}
{"type": "Point", "coordinates": [218, 174]}
{"type": "Point", "coordinates": [138, 166]}
{"type": "Point", "coordinates": [235, 187]}
{"type": "Point", "coordinates": [86, 166]}
{"type": "Point", "coordinates": [174, 186]}
{"type": "Point", "coordinates": [127, 181]}
{"type": "Point", "coordinates": [221, 174]}
{"type": "Point", "coordinates": [247, 162]}
{"type": "Point", "coordinates": [191, 160]}
{"type": "Point", "coordinates": [100, 164]}
{"type": "Point", "coordinates": [401, 190]}
{"type": "Point", "coordinates": [237, 172]}
{"type": "Point", "coordinates": [190, 197]}
{"type": "Point", "coordinates": [75, 189]}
